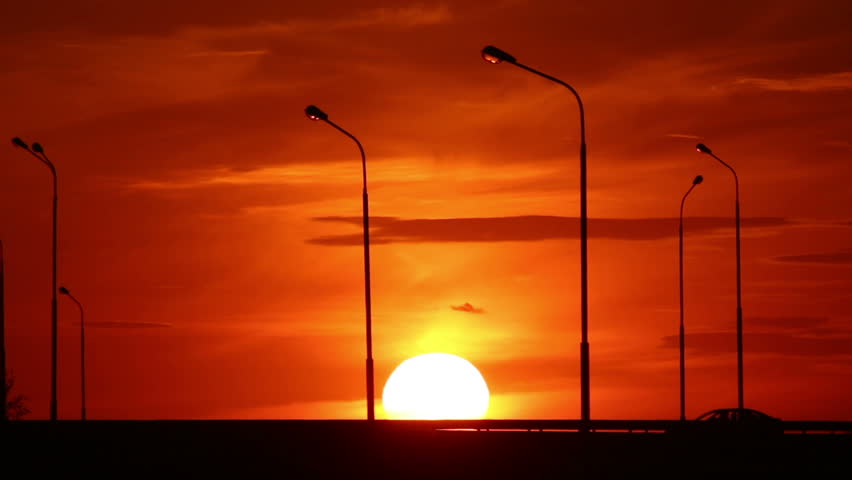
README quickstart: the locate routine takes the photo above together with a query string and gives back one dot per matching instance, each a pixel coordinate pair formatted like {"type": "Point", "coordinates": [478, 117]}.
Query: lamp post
{"type": "Point", "coordinates": [65, 291]}
{"type": "Point", "coordinates": [494, 55]}
{"type": "Point", "coordinates": [740, 403]}
{"type": "Point", "coordinates": [38, 152]}
{"type": "Point", "coordinates": [314, 113]}
{"type": "Point", "coordinates": [695, 183]}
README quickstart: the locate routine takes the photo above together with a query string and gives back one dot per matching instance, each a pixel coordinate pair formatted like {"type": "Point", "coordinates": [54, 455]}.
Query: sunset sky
{"type": "Point", "coordinates": [212, 232]}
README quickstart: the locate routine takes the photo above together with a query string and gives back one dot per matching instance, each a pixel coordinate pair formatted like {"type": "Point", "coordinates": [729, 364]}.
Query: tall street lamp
{"type": "Point", "coordinates": [38, 152]}
{"type": "Point", "coordinates": [704, 149]}
{"type": "Point", "coordinates": [65, 291]}
{"type": "Point", "coordinates": [695, 183]}
{"type": "Point", "coordinates": [314, 113]}
{"type": "Point", "coordinates": [494, 55]}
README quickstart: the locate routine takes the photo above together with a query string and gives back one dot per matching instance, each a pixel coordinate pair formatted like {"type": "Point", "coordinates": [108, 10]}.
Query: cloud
{"type": "Point", "coordinates": [527, 228]}
{"type": "Point", "coordinates": [814, 83]}
{"type": "Point", "coordinates": [409, 16]}
{"type": "Point", "coordinates": [128, 325]}
{"type": "Point", "coordinates": [835, 258]}
{"type": "Point", "coordinates": [467, 307]}
{"type": "Point", "coordinates": [787, 323]}
{"type": "Point", "coordinates": [713, 343]}
{"type": "Point", "coordinates": [794, 336]}
{"type": "Point", "coordinates": [683, 135]}
{"type": "Point", "coordinates": [229, 53]}
{"type": "Point", "coordinates": [290, 175]}
{"type": "Point", "coordinates": [401, 17]}
{"type": "Point", "coordinates": [839, 144]}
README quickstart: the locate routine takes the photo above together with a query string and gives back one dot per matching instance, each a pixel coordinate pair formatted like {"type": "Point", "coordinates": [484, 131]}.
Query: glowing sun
{"type": "Point", "coordinates": [435, 386]}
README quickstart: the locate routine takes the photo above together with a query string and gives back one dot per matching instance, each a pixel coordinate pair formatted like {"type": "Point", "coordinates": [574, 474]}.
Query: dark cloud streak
{"type": "Point", "coordinates": [714, 343]}
{"type": "Point", "coordinates": [527, 228]}
{"type": "Point", "coordinates": [786, 323]}
{"type": "Point", "coordinates": [468, 308]}
{"type": "Point", "coordinates": [127, 325]}
{"type": "Point", "coordinates": [837, 258]}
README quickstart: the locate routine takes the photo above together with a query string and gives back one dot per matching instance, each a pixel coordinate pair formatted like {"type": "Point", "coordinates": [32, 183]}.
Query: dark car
{"type": "Point", "coordinates": [738, 420]}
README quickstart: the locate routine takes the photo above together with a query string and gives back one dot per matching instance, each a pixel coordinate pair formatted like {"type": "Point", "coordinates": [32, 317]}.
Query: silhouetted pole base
{"type": "Point", "coordinates": [584, 383]}
{"type": "Point", "coordinates": [368, 301]}
{"type": "Point", "coordinates": [54, 323]}
{"type": "Point", "coordinates": [3, 333]}
{"type": "Point", "coordinates": [741, 399]}
{"type": "Point", "coordinates": [371, 411]}
{"type": "Point", "coordinates": [53, 402]}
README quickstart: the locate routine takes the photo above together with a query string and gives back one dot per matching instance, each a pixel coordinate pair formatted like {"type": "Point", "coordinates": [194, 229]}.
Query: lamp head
{"type": "Point", "coordinates": [492, 54]}
{"type": "Point", "coordinates": [703, 149]}
{"type": "Point", "coordinates": [64, 291]}
{"type": "Point", "coordinates": [37, 148]}
{"type": "Point", "coordinates": [314, 113]}
{"type": "Point", "coordinates": [698, 180]}
{"type": "Point", "coordinates": [19, 143]}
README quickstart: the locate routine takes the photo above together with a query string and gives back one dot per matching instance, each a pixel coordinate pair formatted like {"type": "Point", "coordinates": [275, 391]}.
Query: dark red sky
{"type": "Point", "coordinates": [212, 231]}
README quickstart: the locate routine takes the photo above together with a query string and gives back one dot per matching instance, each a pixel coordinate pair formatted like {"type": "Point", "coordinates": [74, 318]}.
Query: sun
{"type": "Point", "coordinates": [435, 386]}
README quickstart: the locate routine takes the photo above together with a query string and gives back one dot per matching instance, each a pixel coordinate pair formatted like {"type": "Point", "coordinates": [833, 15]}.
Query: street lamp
{"type": "Point", "coordinates": [704, 149]}
{"type": "Point", "coordinates": [38, 152]}
{"type": "Point", "coordinates": [494, 55]}
{"type": "Point", "coordinates": [65, 291]}
{"type": "Point", "coordinates": [314, 113]}
{"type": "Point", "coordinates": [695, 183]}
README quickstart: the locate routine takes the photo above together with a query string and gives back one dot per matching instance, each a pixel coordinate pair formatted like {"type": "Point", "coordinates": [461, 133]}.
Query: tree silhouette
{"type": "Point", "coordinates": [15, 407]}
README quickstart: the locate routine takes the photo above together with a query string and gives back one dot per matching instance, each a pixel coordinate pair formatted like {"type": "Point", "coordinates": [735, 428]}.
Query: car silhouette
{"type": "Point", "coordinates": [738, 420]}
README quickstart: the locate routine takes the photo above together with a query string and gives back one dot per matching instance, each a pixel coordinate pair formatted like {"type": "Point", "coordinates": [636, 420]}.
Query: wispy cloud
{"type": "Point", "coordinates": [813, 83]}
{"type": "Point", "coordinates": [792, 336]}
{"type": "Point", "coordinates": [398, 17]}
{"type": "Point", "coordinates": [834, 343]}
{"type": "Point", "coordinates": [410, 16]}
{"type": "Point", "coordinates": [787, 323]}
{"type": "Point", "coordinates": [842, 258]}
{"type": "Point", "coordinates": [293, 174]}
{"type": "Point", "coordinates": [394, 169]}
{"type": "Point", "coordinates": [467, 307]}
{"type": "Point", "coordinates": [229, 53]}
{"type": "Point", "coordinates": [527, 228]}
{"type": "Point", "coordinates": [839, 144]}
{"type": "Point", "coordinates": [128, 325]}
{"type": "Point", "coordinates": [683, 135]}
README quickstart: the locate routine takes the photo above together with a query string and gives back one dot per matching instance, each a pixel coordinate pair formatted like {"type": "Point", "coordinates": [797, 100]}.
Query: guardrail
{"type": "Point", "coordinates": [613, 426]}
{"type": "Point", "coordinates": [817, 427]}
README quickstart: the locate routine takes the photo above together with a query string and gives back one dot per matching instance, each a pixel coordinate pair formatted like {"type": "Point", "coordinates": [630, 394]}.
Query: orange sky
{"type": "Point", "coordinates": [211, 230]}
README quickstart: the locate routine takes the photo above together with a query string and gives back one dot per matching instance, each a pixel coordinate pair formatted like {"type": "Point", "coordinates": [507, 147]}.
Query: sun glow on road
{"type": "Point", "coordinates": [435, 386]}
